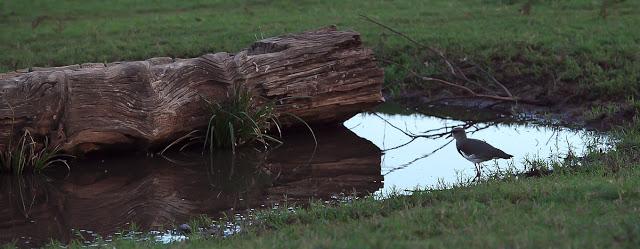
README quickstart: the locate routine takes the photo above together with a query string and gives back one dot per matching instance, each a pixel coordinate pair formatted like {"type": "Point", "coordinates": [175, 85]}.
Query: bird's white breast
{"type": "Point", "coordinates": [471, 157]}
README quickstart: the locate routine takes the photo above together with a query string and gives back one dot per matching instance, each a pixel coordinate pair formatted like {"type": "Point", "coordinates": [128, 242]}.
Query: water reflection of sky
{"type": "Point", "coordinates": [446, 165]}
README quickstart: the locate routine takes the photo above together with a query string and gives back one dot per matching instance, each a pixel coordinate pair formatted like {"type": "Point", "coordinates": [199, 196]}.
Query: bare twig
{"type": "Point", "coordinates": [473, 93]}
{"type": "Point", "coordinates": [494, 79]}
{"type": "Point", "coordinates": [401, 145]}
{"type": "Point", "coordinates": [466, 89]}
{"type": "Point", "coordinates": [455, 71]}
{"type": "Point", "coordinates": [447, 131]}
{"type": "Point", "coordinates": [402, 166]}
{"type": "Point", "coordinates": [463, 76]}
{"type": "Point", "coordinates": [433, 50]}
{"type": "Point", "coordinates": [411, 135]}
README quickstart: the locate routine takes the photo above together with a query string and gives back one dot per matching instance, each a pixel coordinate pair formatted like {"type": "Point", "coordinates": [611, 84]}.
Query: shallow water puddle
{"type": "Point", "coordinates": [435, 162]}
{"type": "Point", "coordinates": [101, 197]}
{"type": "Point", "coordinates": [105, 196]}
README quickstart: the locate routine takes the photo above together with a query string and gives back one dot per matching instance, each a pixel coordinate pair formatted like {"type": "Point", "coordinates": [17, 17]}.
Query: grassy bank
{"type": "Point", "coordinates": [562, 51]}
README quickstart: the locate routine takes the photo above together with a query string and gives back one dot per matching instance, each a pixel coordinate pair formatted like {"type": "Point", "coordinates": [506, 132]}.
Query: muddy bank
{"type": "Point", "coordinates": [584, 114]}
{"type": "Point", "coordinates": [591, 94]}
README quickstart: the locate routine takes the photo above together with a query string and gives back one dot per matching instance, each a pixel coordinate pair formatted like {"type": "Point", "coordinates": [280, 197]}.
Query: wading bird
{"type": "Point", "coordinates": [475, 150]}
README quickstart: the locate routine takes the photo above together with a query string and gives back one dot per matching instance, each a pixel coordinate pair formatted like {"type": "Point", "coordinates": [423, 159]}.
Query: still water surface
{"type": "Point", "coordinates": [104, 196]}
{"type": "Point", "coordinates": [435, 162]}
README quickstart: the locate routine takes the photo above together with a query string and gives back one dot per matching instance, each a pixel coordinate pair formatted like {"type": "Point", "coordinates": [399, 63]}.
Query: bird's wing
{"type": "Point", "coordinates": [459, 149]}
{"type": "Point", "coordinates": [462, 153]}
{"type": "Point", "coordinates": [480, 148]}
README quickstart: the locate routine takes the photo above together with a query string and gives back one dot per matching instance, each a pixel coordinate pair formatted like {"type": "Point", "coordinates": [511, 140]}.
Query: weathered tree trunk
{"type": "Point", "coordinates": [322, 76]}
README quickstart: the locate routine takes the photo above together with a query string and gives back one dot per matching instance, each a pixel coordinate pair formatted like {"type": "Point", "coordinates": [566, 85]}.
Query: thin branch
{"type": "Point", "coordinates": [465, 88]}
{"type": "Point", "coordinates": [413, 137]}
{"type": "Point", "coordinates": [400, 146]}
{"type": "Point", "coordinates": [464, 77]}
{"type": "Point", "coordinates": [494, 79]}
{"type": "Point", "coordinates": [433, 50]}
{"type": "Point", "coordinates": [402, 166]}
{"type": "Point", "coordinates": [456, 73]}
{"type": "Point", "coordinates": [394, 126]}
{"type": "Point", "coordinates": [473, 93]}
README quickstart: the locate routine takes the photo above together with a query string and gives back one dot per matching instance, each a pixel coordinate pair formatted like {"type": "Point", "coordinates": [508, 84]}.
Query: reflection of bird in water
{"type": "Point", "coordinates": [475, 150]}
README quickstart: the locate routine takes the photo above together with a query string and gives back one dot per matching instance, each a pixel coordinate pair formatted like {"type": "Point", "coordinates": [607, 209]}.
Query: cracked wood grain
{"type": "Point", "coordinates": [322, 76]}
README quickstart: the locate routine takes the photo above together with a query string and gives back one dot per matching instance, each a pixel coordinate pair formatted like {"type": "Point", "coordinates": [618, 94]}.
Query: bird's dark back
{"type": "Point", "coordinates": [481, 149]}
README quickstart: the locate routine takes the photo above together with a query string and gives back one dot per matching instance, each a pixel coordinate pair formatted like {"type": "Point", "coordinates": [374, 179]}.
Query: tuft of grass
{"type": "Point", "coordinates": [240, 119]}
{"type": "Point", "coordinates": [26, 155]}
{"type": "Point", "coordinates": [599, 111]}
{"type": "Point", "coordinates": [11, 245]}
{"type": "Point", "coordinates": [634, 103]}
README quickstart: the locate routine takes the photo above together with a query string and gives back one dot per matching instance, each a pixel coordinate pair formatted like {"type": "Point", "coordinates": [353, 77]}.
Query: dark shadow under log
{"type": "Point", "coordinates": [322, 76]}
{"type": "Point", "coordinates": [105, 196]}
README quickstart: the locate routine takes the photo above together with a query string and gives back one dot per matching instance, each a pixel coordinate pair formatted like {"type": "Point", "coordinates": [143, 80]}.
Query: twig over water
{"type": "Point", "coordinates": [455, 71]}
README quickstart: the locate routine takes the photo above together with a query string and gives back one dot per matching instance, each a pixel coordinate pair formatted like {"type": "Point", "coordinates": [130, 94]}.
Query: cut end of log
{"type": "Point", "coordinates": [321, 76]}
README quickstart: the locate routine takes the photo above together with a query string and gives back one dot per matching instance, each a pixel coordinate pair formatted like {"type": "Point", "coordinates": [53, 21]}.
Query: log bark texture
{"type": "Point", "coordinates": [322, 76]}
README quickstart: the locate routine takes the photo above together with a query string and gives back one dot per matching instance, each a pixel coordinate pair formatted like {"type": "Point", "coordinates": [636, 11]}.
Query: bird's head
{"type": "Point", "coordinates": [458, 133]}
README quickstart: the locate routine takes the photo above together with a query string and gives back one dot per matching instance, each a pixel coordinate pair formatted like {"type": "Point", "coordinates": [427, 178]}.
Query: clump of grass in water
{"type": "Point", "coordinates": [239, 120]}
{"type": "Point", "coordinates": [26, 154]}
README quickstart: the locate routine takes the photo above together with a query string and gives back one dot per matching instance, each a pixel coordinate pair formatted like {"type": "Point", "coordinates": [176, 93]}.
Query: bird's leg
{"type": "Point", "coordinates": [477, 172]}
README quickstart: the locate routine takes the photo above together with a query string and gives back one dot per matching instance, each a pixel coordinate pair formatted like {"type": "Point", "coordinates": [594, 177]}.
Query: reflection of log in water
{"type": "Point", "coordinates": [343, 162]}
{"type": "Point", "coordinates": [105, 196]}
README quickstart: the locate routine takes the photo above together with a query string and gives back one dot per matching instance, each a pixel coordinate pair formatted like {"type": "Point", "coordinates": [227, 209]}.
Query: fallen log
{"type": "Point", "coordinates": [321, 76]}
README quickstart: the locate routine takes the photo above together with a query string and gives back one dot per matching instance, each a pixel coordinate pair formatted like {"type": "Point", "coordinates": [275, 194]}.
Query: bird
{"type": "Point", "coordinates": [476, 151]}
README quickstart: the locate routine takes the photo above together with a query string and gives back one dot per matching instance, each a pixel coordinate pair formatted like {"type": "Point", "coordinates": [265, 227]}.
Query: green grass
{"type": "Point", "coordinates": [564, 47]}
{"type": "Point", "coordinates": [601, 110]}
{"type": "Point", "coordinates": [25, 155]}
{"type": "Point", "coordinates": [239, 120]}
{"type": "Point", "coordinates": [559, 211]}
